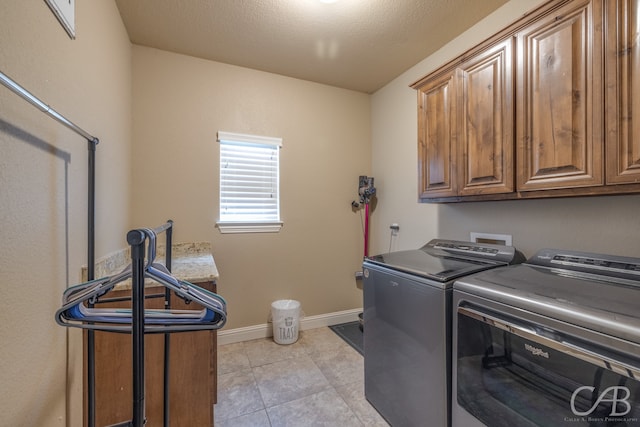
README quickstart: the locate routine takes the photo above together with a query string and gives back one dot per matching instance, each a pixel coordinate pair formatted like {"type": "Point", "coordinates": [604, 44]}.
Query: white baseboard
{"type": "Point", "coordinates": [228, 336]}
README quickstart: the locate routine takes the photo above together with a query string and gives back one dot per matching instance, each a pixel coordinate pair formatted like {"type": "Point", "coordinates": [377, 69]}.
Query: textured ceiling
{"type": "Point", "coordinates": [353, 44]}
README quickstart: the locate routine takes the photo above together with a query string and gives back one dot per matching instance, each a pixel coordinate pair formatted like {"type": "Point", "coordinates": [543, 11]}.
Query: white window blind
{"type": "Point", "coordinates": [249, 183]}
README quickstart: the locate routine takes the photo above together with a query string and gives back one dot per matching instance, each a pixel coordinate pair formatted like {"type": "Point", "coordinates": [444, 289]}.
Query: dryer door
{"type": "Point", "coordinates": [510, 372]}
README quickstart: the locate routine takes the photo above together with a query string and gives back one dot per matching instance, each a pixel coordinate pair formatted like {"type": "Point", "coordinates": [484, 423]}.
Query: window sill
{"type": "Point", "coordinates": [249, 227]}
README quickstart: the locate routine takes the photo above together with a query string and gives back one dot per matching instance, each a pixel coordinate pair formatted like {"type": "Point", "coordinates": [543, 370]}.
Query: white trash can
{"type": "Point", "coordinates": [285, 315]}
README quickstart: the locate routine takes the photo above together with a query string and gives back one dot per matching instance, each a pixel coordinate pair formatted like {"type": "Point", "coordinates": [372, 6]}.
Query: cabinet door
{"type": "Point", "coordinates": [559, 121]}
{"type": "Point", "coordinates": [436, 138]}
{"type": "Point", "coordinates": [486, 124]}
{"type": "Point", "coordinates": [622, 70]}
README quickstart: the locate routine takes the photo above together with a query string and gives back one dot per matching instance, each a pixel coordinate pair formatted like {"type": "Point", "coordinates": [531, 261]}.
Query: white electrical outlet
{"type": "Point", "coordinates": [495, 239]}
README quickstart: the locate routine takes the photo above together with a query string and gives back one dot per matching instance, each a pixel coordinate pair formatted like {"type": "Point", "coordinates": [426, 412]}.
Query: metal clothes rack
{"type": "Point", "coordinates": [136, 239]}
{"type": "Point", "coordinates": [137, 321]}
{"type": "Point", "coordinates": [92, 142]}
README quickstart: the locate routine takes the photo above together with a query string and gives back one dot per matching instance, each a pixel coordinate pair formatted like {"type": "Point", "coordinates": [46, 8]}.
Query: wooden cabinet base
{"type": "Point", "coordinates": [192, 373]}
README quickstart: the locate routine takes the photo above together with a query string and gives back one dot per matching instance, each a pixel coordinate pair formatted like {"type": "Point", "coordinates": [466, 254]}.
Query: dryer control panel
{"type": "Point", "coordinates": [598, 264]}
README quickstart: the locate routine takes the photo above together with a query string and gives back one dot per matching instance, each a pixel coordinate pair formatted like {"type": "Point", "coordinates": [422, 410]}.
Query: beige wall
{"type": "Point", "coordinates": [599, 224]}
{"type": "Point", "coordinates": [43, 175]}
{"type": "Point", "coordinates": [331, 136]}
{"type": "Point", "coordinates": [180, 103]}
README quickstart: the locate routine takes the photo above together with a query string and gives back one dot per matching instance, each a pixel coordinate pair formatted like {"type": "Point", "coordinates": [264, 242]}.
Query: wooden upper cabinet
{"type": "Point", "coordinates": [543, 108]}
{"type": "Point", "coordinates": [465, 127]}
{"type": "Point", "coordinates": [485, 127]}
{"type": "Point", "coordinates": [622, 71]}
{"type": "Point", "coordinates": [559, 119]}
{"type": "Point", "coordinates": [436, 138]}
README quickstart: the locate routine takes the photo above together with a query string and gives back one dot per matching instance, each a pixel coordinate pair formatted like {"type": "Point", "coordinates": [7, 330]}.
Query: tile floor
{"type": "Point", "coordinates": [317, 381]}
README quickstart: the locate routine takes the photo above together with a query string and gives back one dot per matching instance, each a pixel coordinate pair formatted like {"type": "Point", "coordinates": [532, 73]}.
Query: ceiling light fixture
{"type": "Point", "coordinates": [328, 1]}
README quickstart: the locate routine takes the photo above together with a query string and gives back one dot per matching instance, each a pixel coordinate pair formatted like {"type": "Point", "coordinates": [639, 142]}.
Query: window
{"type": "Point", "coordinates": [249, 183]}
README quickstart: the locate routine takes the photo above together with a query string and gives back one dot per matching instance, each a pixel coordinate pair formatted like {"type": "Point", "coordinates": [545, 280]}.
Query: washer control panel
{"type": "Point", "coordinates": [484, 251]}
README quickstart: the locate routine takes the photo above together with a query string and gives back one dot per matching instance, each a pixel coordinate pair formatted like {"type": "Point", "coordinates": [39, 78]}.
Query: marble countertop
{"type": "Point", "coordinates": [192, 262]}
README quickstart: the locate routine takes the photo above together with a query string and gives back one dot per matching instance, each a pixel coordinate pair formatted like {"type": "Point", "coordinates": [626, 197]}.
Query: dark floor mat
{"type": "Point", "coordinates": [351, 333]}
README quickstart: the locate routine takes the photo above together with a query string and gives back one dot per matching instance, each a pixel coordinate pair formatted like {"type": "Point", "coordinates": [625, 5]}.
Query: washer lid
{"type": "Point", "coordinates": [445, 260]}
{"type": "Point", "coordinates": [601, 303]}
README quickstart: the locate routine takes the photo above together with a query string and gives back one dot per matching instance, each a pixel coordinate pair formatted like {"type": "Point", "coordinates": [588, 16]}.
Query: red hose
{"type": "Point", "coordinates": [366, 229]}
